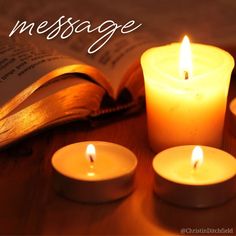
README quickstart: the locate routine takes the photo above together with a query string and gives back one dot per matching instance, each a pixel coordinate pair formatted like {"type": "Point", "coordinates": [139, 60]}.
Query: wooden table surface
{"type": "Point", "coordinates": [29, 205]}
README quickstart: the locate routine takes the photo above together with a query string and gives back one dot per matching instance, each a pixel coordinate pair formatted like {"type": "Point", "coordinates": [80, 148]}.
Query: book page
{"type": "Point", "coordinates": [25, 66]}
{"type": "Point", "coordinates": [56, 85]}
{"type": "Point", "coordinates": [22, 65]}
{"type": "Point", "coordinates": [67, 102]}
{"type": "Point", "coordinates": [113, 59]}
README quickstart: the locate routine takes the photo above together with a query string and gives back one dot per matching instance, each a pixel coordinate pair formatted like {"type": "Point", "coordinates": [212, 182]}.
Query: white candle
{"type": "Point", "coordinates": [186, 94]}
{"type": "Point", "coordinates": [94, 171]}
{"type": "Point", "coordinates": [195, 176]}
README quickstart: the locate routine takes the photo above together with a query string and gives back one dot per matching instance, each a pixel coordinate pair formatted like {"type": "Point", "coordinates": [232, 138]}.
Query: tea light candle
{"type": "Point", "coordinates": [232, 117]}
{"type": "Point", "coordinates": [94, 171]}
{"type": "Point", "coordinates": [195, 176]}
{"type": "Point", "coordinates": [186, 93]}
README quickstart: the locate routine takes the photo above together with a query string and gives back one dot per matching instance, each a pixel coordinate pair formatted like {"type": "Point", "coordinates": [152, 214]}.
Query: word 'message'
{"type": "Point", "coordinates": [64, 28]}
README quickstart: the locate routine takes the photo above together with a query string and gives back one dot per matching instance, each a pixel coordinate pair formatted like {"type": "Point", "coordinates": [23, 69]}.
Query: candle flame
{"type": "Point", "coordinates": [91, 153]}
{"type": "Point", "coordinates": [197, 157]}
{"type": "Point", "coordinates": [185, 62]}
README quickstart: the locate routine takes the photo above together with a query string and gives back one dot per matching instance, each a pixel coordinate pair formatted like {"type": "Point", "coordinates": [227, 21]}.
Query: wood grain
{"type": "Point", "coordinates": [29, 205]}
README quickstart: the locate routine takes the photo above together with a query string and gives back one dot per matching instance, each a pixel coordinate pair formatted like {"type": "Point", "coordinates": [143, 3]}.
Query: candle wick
{"type": "Point", "coordinates": [195, 165]}
{"type": "Point", "coordinates": [186, 76]}
{"type": "Point", "coordinates": [91, 159]}
{"type": "Point", "coordinates": [91, 166]}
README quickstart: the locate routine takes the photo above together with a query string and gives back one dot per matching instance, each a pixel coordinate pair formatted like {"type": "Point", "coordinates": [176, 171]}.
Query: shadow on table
{"type": "Point", "coordinates": [175, 218]}
{"type": "Point", "coordinates": [77, 218]}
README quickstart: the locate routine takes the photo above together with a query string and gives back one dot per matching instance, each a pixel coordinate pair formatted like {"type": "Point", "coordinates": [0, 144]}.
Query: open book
{"type": "Point", "coordinates": [41, 86]}
{"type": "Point", "coordinates": [44, 83]}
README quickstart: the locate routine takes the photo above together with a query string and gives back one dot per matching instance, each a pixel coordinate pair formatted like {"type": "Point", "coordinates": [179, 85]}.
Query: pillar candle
{"type": "Point", "coordinates": [186, 94]}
